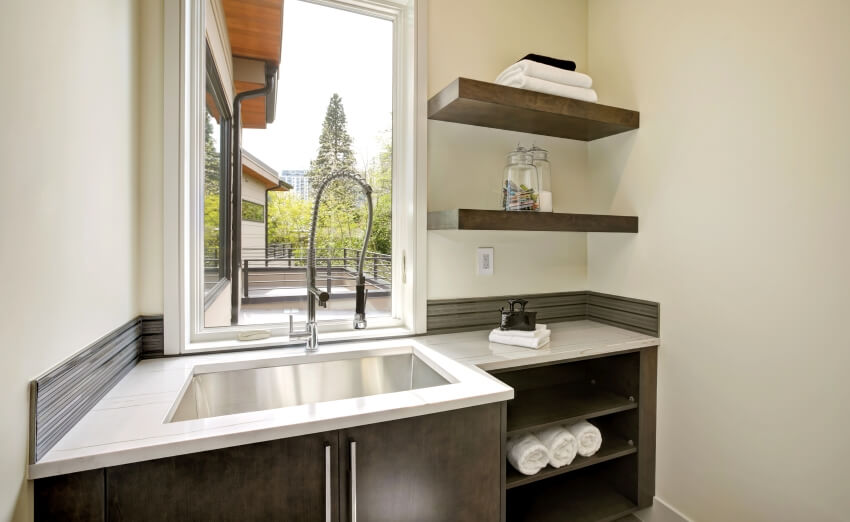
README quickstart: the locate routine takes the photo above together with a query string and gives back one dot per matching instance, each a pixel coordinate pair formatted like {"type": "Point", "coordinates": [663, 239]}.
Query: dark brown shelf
{"type": "Point", "coordinates": [489, 105]}
{"type": "Point", "coordinates": [613, 447]}
{"type": "Point", "coordinates": [559, 404]}
{"type": "Point", "coordinates": [472, 219]}
{"type": "Point", "coordinates": [581, 498]}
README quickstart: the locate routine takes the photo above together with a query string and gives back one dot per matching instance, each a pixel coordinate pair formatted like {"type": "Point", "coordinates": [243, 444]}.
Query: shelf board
{"type": "Point", "coordinates": [473, 219]}
{"type": "Point", "coordinates": [613, 447]}
{"type": "Point", "coordinates": [486, 104]}
{"type": "Point", "coordinates": [578, 499]}
{"type": "Point", "coordinates": [559, 404]}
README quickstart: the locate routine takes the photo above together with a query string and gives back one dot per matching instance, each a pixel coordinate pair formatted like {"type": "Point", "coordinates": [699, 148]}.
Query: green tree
{"type": "Point", "coordinates": [212, 159]}
{"type": "Point", "coordinates": [379, 174]}
{"type": "Point", "coordinates": [334, 155]}
{"type": "Point", "coordinates": [212, 192]}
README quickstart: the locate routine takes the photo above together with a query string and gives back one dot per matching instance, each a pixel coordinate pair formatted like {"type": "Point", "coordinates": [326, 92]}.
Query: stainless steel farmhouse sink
{"type": "Point", "coordinates": [216, 393]}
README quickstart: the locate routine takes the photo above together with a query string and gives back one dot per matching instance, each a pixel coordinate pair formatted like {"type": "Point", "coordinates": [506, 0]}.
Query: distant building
{"type": "Point", "coordinates": [299, 181]}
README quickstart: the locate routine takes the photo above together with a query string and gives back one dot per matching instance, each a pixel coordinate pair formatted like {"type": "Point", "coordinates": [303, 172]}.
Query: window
{"type": "Point", "coordinates": [349, 95]}
{"type": "Point", "coordinates": [341, 120]}
{"type": "Point", "coordinates": [253, 211]}
{"type": "Point", "coordinates": [215, 185]}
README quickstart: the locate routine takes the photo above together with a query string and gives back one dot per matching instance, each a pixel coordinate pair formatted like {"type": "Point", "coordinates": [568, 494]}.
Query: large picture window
{"type": "Point", "coordinates": [329, 86]}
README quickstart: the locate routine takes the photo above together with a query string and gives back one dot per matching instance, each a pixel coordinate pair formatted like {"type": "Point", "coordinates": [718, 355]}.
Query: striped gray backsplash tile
{"type": "Point", "coordinates": [453, 315]}
{"type": "Point", "coordinates": [628, 313]}
{"type": "Point", "coordinates": [152, 340]}
{"type": "Point", "coordinates": [63, 395]}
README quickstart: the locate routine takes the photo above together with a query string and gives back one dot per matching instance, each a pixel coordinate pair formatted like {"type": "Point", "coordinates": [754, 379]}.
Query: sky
{"type": "Point", "coordinates": [325, 51]}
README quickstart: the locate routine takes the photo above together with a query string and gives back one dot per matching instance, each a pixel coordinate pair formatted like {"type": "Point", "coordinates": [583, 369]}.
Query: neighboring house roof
{"type": "Point", "coordinates": [252, 166]}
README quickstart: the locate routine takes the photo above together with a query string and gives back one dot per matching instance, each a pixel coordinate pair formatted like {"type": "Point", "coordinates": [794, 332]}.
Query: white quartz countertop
{"type": "Point", "coordinates": [129, 423]}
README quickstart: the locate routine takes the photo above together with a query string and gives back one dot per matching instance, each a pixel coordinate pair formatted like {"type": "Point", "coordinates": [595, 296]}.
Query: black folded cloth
{"type": "Point", "coordinates": [567, 65]}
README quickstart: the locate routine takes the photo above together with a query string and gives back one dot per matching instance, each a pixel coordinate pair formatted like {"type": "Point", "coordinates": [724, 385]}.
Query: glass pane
{"type": "Point", "coordinates": [213, 248]}
{"type": "Point", "coordinates": [334, 112]}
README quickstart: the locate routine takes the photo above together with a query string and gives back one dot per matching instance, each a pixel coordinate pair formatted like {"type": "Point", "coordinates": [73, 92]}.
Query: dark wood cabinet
{"type": "Point", "coordinates": [283, 479]}
{"type": "Point", "coordinates": [444, 466]}
{"type": "Point", "coordinates": [441, 467]}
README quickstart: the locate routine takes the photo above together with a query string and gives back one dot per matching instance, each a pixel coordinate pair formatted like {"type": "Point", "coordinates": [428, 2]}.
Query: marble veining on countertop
{"type": "Point", "coordinates": [128, 424]}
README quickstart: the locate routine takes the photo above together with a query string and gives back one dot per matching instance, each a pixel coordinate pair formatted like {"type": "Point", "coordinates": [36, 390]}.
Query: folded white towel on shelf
{"type": "Point", "coordinates": [527, 454]}
{"type": "Point", "coordinates": [587, 436]}
{"type": "Point", "coordinates": [538, 339]}
{"type": "Point", "coordinates": [529, 83]}
{"type": "Point", "coordinates": [560, 443]}
{"type": "Point", "coordinates": [548, 73]}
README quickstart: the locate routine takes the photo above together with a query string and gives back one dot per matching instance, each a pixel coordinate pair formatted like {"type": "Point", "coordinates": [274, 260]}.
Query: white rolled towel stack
{"type": "Point", "coordinates": [527, 454]}
{"type": "Point", "coordinates": [560, 443]}
{"type": "Point", "coordinates": [588, 437]}
{"type": "Point", "coordinates": [539, 77]}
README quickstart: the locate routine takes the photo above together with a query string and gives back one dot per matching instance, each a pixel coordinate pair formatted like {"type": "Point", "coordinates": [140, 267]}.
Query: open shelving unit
{"type": "Point", "coordinates": [485, 104]}
{"type": "Point", "coordinates": [615, 392]}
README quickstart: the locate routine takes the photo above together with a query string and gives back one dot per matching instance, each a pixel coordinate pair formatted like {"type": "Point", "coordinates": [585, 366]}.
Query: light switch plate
{"type": "Point", "coordinates": [484, 261]}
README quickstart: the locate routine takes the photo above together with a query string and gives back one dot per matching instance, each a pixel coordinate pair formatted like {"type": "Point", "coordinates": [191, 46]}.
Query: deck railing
{"type": "Point", "coordinates": [285, 267]}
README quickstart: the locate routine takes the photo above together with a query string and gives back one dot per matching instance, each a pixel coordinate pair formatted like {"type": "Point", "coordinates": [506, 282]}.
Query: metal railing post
{"type": "Point", "coordinates": [245, 278]}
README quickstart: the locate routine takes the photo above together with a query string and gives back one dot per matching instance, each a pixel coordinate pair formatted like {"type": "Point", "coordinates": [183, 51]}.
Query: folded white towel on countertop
{"type": "Point", "coordinates": [521, 81]}
{"type": "Point", "coordinates": [506, 337]}
{"type": "Point", "coordinates": [548, 73]}
{"type": "Point", "coordinates": [560, 443]}
{"type": "Point", "coordinates": [527, 454]}
{"type": "Point", "coordinates": [588, 437]}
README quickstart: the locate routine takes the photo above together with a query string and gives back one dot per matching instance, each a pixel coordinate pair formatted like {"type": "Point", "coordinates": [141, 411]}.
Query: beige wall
{"type": "Point", "coordinates": [68, 204]}
{"type": "Point", "coordinates": [740, 174]}
{"type": "Point", "coordinates": [478, 39]}
{"type": "Point", "coordinates": [150, 160]}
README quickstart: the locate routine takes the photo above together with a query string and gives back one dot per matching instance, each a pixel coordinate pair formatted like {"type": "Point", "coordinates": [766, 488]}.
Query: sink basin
{"type": "Point", "coordinates": [216, 393]}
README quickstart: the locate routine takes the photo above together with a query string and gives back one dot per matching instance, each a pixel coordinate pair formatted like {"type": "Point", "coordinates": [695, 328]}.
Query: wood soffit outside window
{"type": "Point", "coordinates": [254, 28]}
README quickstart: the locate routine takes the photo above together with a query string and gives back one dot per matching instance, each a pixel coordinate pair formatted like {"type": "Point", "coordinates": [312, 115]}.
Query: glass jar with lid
{"type": "Point", "coordinates": [520, 185]}
{"type": "Point", "coordinates": [540, 159]}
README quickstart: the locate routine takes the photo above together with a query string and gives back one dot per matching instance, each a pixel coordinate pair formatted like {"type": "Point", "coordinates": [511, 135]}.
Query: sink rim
{"type": "Point", "coordinates": [304, 358]}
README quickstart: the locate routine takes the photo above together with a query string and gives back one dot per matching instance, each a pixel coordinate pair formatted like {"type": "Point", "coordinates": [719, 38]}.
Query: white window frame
{"type": "Point", "coordinates": [183, 94]}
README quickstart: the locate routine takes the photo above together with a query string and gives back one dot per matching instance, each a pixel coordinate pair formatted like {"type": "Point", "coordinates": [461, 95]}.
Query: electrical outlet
{"type": "Point", "coordinates": [484, 264]}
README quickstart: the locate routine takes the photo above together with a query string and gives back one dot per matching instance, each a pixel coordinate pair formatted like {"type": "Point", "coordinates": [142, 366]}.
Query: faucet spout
{"type": "Point", "coordinates": [314, 295]}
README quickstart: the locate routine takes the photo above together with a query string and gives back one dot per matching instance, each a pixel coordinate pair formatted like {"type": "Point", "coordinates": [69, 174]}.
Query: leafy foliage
{"type": "Point", "coordinates": [212, 191]}
{"type": "Point", "coordinates": [343, 214]}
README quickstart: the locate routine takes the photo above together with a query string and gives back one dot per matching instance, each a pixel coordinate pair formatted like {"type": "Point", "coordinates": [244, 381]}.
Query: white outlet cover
{"type": "Point", "coordinates": [484, 261]}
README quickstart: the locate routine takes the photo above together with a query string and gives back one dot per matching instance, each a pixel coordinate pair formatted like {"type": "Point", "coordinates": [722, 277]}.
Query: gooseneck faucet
{"type": "Point", "coordinates": [314, 295]}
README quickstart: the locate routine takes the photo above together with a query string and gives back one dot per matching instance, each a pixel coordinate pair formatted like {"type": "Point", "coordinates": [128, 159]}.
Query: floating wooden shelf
{"type": "Point", "coordinates": [613, 447]}
{"type": "Point", "coordinates": [489, 105]}
{"type": "Point", "coordinates": [471, 219]}
{"type": "Point", "coordinates": [558, 404]}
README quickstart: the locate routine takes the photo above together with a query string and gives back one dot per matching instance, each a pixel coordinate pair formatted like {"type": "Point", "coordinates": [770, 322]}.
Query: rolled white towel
{"type": "Point", "coordinates": [548, 73]}
{"type": "Point", "coordinates": [521, 81]}
{"type": "Point", "coordinates": [527, 454]}
{"type": "Point", "coordinates": [588, 437]}
{"type": "Point", "coordinates": [562, 445]}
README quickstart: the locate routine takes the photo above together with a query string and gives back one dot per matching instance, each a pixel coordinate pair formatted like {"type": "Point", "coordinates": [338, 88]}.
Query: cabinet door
{"type": "Point", "coordinates": [440, 467]}
{"type": "Point", "coordinates": [283, 479]}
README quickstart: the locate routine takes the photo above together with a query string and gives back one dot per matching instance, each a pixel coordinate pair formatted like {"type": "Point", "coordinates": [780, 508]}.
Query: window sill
{"type": "Point", "coordinates": [283, 341]}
